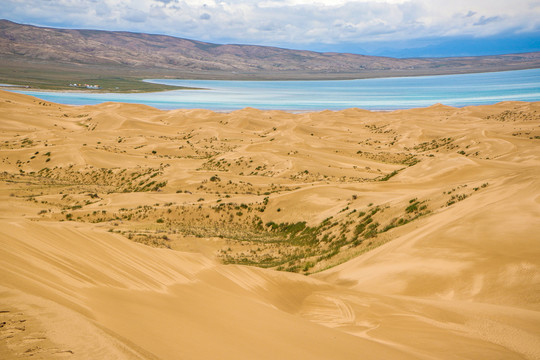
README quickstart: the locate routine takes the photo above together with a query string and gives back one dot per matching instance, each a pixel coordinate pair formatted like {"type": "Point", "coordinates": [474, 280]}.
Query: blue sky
{"type": "Point", "coordinates": [400, 28]}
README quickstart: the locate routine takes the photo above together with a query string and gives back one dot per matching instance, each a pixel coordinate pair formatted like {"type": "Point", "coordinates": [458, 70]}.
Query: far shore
{"type": "Point", "coordinates": [251, 77]}
{"type": "Point", "coordinates": [298, 97]}
{"type": "Point", "coordinates": [90, 91]}
{"type": "Point", "coordinates": [44, 76]}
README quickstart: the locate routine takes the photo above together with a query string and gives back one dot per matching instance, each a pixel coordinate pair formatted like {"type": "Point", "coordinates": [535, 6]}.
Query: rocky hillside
{"type": "Point", "coordinates": [25, 43]}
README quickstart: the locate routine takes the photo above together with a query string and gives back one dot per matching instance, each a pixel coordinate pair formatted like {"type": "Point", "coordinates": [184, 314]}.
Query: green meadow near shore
{"type": "Point", "coordinates": [58, 77]}
{"type": "Point", "coordinates": [122, 79]}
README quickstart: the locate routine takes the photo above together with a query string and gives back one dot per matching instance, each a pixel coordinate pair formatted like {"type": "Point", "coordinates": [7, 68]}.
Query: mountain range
{"type": "Point", "coordinates": [167, 55]}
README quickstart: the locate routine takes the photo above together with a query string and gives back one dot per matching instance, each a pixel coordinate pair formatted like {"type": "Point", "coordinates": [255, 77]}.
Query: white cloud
{"type": "Point", "coordinates": [296, 23]}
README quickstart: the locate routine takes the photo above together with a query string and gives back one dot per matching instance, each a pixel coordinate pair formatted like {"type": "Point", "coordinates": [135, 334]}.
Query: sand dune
{"type": "Point", "coordinates": [126, 233]}
{"type": "Point", "coordinates": [135, 301]}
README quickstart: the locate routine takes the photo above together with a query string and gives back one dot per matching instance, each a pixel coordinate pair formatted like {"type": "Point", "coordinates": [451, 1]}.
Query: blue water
{"type": "Point", "coordinates": [373, 94]}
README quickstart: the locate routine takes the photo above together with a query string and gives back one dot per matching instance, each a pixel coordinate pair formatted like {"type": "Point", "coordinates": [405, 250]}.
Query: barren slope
{"type": "Point", "coordinates": [135, 53]}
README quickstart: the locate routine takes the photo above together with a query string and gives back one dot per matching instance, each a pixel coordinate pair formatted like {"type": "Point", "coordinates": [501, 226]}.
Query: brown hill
{"type": "Point", "coordinates": [171, 55]}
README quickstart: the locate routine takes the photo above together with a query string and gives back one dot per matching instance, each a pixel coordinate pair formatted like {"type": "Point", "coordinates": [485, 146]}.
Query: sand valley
{"type": "Point", "coordinates": [129, 232]}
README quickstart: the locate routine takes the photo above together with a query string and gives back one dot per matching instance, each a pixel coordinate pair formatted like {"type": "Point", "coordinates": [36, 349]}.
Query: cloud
{"type": "Point", "coordinates": [484, 20]}
{"type": "Point", "coordinates": [288, 23]}
{"type": "Point", "coordinates": [135, 16]}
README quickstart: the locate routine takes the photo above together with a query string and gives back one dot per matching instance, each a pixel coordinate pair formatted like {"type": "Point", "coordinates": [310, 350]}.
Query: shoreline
{"type": "Point", "coordinates": [8, 87]}
{"type": "Point", "coordinates": [263, 77]}
{"type": "Point", "coordinates": [381, 95]}
{"type": "Point", "coordinates": [218, 111]}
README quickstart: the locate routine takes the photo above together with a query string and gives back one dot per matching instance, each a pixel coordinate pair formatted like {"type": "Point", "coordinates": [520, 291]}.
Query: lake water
{"type": "Point", "coordinates": [373, 94]}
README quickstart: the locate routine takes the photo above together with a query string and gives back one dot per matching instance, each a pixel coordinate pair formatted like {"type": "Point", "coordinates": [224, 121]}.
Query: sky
{"type": "Point", "coordinates": [398, 28]}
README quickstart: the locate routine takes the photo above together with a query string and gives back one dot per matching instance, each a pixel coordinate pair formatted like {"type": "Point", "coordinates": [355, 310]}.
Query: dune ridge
{"type": "Point", "coordinates": [133, 233]}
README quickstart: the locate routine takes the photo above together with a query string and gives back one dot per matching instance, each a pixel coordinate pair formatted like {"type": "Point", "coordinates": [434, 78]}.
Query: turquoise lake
{"type": "Point", "coordinates": [372, 94]}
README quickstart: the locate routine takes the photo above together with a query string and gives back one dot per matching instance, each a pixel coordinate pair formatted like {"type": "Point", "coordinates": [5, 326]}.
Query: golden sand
{"type": "Point", "coordinates": [126, 231]}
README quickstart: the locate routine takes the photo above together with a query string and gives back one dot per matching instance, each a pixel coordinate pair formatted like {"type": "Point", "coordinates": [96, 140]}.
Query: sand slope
{"type": "Point", "coordinates": [125, 300]}
{"type": "Point", "coordinates": [459, 279]}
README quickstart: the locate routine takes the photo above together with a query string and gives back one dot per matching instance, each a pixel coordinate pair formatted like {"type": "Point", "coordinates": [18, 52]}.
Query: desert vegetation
{"type": "Point", "coordinates": [248, 184]}
{"type": "Point", "coordinates": [150, 231]}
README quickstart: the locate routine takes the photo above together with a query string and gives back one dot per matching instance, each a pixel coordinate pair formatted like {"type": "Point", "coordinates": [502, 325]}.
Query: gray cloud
{"type": "Point", "coordinates": [135, 16]}
{"type": "Point", "coordinates": [484, 20]}
{"type": "Point", "coordinates": [291, 23]}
